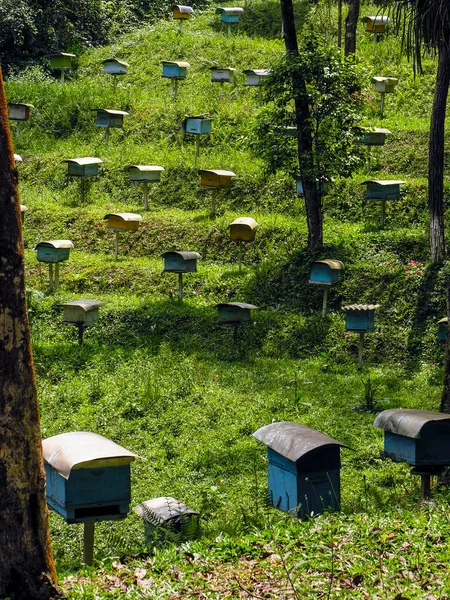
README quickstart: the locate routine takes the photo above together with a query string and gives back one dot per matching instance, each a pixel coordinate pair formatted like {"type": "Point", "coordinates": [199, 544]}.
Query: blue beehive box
{"type": "Point", "coordinates": [304, 468]}
{"type": "Point", "coordinates": [230, 14]}
{"type": "Point", "coordinates": [443, 329]}
{"type": "Point", "coordinates": [383, 189]}
{"type": "Point", "coordinates": [360, 317]}
{"type": "Point", "coordinates": [83, 167]}
{"type": "Point", "coordinates": [418, 437]}
{"type": "Point", "coordinates": [113, 66]}
{"type": "Point", "coordinates": [199, 125]}
{"type": "Point", "coordinates": [325, 272]}
{"type": "Point", "coordinates": [88, 477]}
{"type": "Point", "coordinates": [175, 69]}
{"type": "Point", "coordinates": [54, 251]}
{"type": "Point", "coordinates": [180, 262]}
{"type": "Point", "coordinates": [110, 118]}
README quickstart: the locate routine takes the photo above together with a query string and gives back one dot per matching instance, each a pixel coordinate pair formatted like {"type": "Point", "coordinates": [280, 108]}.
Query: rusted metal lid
{"type": "Point", "coordinates": [86, 305]}
{"type": "Point", "coordinates": [230, 10]}
{"type": "Point", "coordinates": [384, 181]}
{"type": "Point", "coordinates": [407, 421]}
{"type": "Point", "coordinates": [239, 304]}
{"type": "Point", "coordinates": [18, 158]}
{"type": "Point", "coordinates": [335, 265]}
{"type": "Point", "coordinates": [245, 221]}
{"type": "Point", "coordinates": [55, 244]}
{"type": "Point", "coordinates": [124, 216]}
{"type": "Point", "coordinates": [179, 63]}
{"type": "Point", "coordinates": [185, 255]}
{"type": "Point", "coordinates": [111, 112]}
{"type": "Point", "coordinates": [162, 510]}
{"type": "Point", "coordinates": [81, 450]}
{"type": "Point", "coordinates": [444, 320]}
{"type": "Point", "coordinates": [361, 307]}
{"type": "Point", "coordinates": [293, 440]}
{"type": "Point", "coordinates": [219, 172]}
{"type": "Point", "coordinates": [87, 160]}
{"type": "Point", "coordinates": [183, 9]}
{"type": "Point", "coordinates": [259, 72]}
{"type": "Point", "coordinates": [146, 168]}
{"type": "Point", "coordinates": [115, 61]}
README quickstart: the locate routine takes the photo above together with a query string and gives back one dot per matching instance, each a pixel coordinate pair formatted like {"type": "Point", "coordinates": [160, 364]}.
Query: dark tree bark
{"type": "Point", "coordinates": [27, 571]}
{"type": "Point", "coordinates": [351, 24]}
{"type": "Point", "coordinates": [339, 36]}
{"type": "Point", "coordinates": [313, 199]}
{"type": "Point", "coordinates": [445, 398]}
{"type": "Point", "coordinates": [436, 156]}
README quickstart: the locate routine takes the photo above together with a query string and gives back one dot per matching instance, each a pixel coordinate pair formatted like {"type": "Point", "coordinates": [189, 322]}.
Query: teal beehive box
{"type": "Point", "coordinates": [234, 313]}
{"type": "Point", "coordinates": [383, 189]}
{"type": "Point", "coordinates": [198, 125]}
{"type": "Point", "coordinates": [110, 118]}
{"type": "Point", "coordinates": [114, 66]}
{"type": "Point", "coordinates": [443, 329]}
{"type": "Point", "coordinates": [325, 272]}
{"type": "Point", "coordinates": [180, 262]}
{"type": "Point", "coordinates": [360, 317]}
{"type": "Point", "coordinates": [371, 137]}
{"type": "Point", "coordinates": [230, 14]}
{"type": "Point", "coordinates": [54, 251]}
{"type": "Point", "coordinates": [175, 69]}
{"type": "Point", "coordinates": [83, 167]}
{"type": "Point", "coordinates": [254, 77]}
{"type": "Point", "coordinates": [145, 174]}
{"type": "Point", "coordinates": [303, 468]}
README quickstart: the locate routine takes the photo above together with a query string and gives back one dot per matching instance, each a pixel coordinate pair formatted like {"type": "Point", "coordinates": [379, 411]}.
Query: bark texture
{"type": "Point", "coordinates": [313, 199]}
{"type": "Point", "coordinates": [436, 157]}
{"type": "Point", "coordinates": [351, 24]}
{"type": "Point", "coordinates": [445, 398]}
{"type": "Point", "coordinates": [27, 570]}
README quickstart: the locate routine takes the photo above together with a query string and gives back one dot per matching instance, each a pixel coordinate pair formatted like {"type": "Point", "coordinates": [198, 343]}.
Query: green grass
{"type": "Point", "coordinates": [162, 378]}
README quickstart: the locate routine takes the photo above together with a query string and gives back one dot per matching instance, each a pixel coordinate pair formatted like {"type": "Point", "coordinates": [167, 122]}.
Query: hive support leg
{"type": "Point", "coordinates": [213, 207]}
{"type": "Point", "coordinates": [145, 189]}
{"type": "Point", "coordinates": [229, 28]}
{"type": "Point", "coordinates": [197, 147]}
{"type": "Point", "coordinates": [50, 276]}
{"type": "Point", "coordinates": [180, 286]}
{"type": "Point", "coordinates": [80, 333]}
{"type": "Point", "coordinates": [56, 276]}
{"type": "Point", "coordinates": [425, 486]}
{"type": "Point", "coordinates": [325, 301]}
{"type": "Point", "coordinates": [360, 349]}
{"type": "Point", "coordinates": [107, 136]}
{"type": "Point", "coordinates": [17, 130]}
{"type": "Point", "coordinates": [62, 75]}
{"type": "Point", "coordinates": [383, 213]}
{"type": "Point", "coordinates": [88, 543]}
{"type": "Point", "coordinates": [382, 105]}
{"type": "Point", "coordinates": [240, 256]}
{"type": "Point", "coordinates": [116, 245]}
{"type": "Point", "coordinates": [235, 336]}
{"type": "Point", "coordinates": [114, 83]}
{"type": "Point", "coordinates": [369, 159]}
{"type": "Point", "coordinates": [181, 26]}
{"type": "Point", "coordinates": [82, 190]}
{"type": "Point", "coordinates": [174, 88]}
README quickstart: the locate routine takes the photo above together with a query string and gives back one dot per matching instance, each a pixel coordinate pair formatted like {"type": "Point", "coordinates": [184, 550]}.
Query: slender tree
{"type": "Point", "coordinates": [27, 570]}
{"type": "Point", "coordinates": [351, 24]}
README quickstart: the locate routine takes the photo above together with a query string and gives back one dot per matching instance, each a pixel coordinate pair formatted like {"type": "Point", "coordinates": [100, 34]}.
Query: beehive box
{"type": "Point", "coordinates": [175, 69]}
{"type": "Point", "coordinates": [199, 125]}
{"type": "Point", "coordinates": [360, 317]}
{"type": "Point", "coordinates": [180, 262]}
{"type": "Point", "coordinates": [230, 14]}
{"type": "Point", "coordinates": [88, 477]}
{"type": "Point", "coordinates": [19, 112]}
{"type": "Point", "coordinates": [110, 118]}
{"type": "Point", "coordinates": [181, 12]}
{"type": "Point", "coordinates": [325, 272]}
{"type": "Point", "coordinates": [243, 229]}
{"type": "Point", "coordinates": [113, 66]}
{"type": "Point", "coordinates": [234, 313]}
{"type": "Point", "coordinates": [143, 173]}
{"type": "Point", "coordinates": [54, 251]}
{"type": "Point", "coordinates": [216, 178]}
{"type": "Point", "coordinates": [417, 437]}
{"type": "Point", "coordinates": [304, 468]}
{"type": "Point", "coordinates": [254, 76]}
{"type": "Point", "coordinates": [23, 210]}
{"type": "Point", "coordinates": [222, 75]}
{"type": "Point", "coordinates": [122, 221]}
{"type": "Point", "coordinates": [384, 85]}
{"type": "Point", "coordinates": [383, 189]}
{"type": "Point", "coordinates": [82, 312]}
{"type": "Point", "coordinates": [83, 167]}
{"type": "Point", "coordinates": [17, 158]}
{"type": "Point", "coordinates": [62, 60]}
{"type": "Point", "coordinates": [376, 24]}
{"type": "Point", "coordinates": [443, 329]}
{"type": "Point", "coordinates": [375, 137]}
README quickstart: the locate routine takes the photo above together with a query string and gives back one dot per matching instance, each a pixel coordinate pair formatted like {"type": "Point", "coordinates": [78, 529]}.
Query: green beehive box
{"type": "Point", "coordinates": [143, 173]}
{"type": "Point", "coordinates": [54, 251]}
{"type": "Point", "coordinates": [234, 313]}
{"type": "Point", "coordinates": [383, 189]}
{"type": "Point", "coordinates": [180, 262]}
{"type": "Point", "coordinates": [62, 60]}
{"type": "Point", "coordinates": [83, 167]}
{"type": "Point", "coordinates": [371, 137]}
{"type": "Point", "coordinates": [110, 118]}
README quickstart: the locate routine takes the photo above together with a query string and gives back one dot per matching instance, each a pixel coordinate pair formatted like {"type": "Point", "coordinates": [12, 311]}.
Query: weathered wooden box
{"type": "Point", "coordinates": [143, 173]}
{"type": "Point", "coordinates": [83, 167]}
{"type": "Point", "coordinates": [62, 60]}
{"type": "Point", "coordinates": [181, 12]}
{"type": "Point", "coordinates": [83, 312]}
{"type": "Point", "coordinates": [243, 229]}
{"type": "Point", "coordinates": [376, 137]}
{"type": "Point", "coordinates": [234, 313]}
{"type": "Point", "coordinates": [385, 85]}
{"type": "Point", "coordinates": [230, 14]}
{"type": "Point", "coordinates": [110, 118]}
{"type": "Point", "coordinates": [122, 221]}
{"type": "Point", "coordinates": [88, 477]}
{"type": "Point", "coordinates": [199, 125]}
{"type": "Point", "coordinates": [360, 317]}
{"type": "Point", "coordinates": [325, 272]}
{"type": "Point", "coordinates": [254, 76]}
{"type": "Point", "coordinates": [181, 262]}
{"type": "Point", "coordinates": [417, 437]}
{"type": "Point", "coordinates": [383, 189]}
{"type": "Point", "coordinates": [19, 112]}
{"type": "Point", "coordinates": [304, 468]}
{"type": "Point", "coordinates": [222, 75]}
{"type": "Point", "coordinates": [54, 251]}
{"type": "Point", "coordinates": [216, 178]}
{"type": "Point", "coordinates": [175, 69]}
{"type": "Point", "coordinates": [113, 66]}
{"type": "Point", "coordinates": [376, 24]}
{"type": "Point", "coordinates": [443, 329]}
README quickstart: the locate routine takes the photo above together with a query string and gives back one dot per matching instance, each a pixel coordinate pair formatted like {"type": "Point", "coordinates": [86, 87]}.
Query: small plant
{"type": "Point", "coordinates": [368, 403]}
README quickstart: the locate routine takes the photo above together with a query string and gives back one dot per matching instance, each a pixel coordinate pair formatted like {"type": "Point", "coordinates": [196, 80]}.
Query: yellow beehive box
{"type": "Point", "coordinates": [243, 229]}
{"type": "Point", "coordinates": [216, 178]}
{"type": "Point", "coordinates": [122, 221]}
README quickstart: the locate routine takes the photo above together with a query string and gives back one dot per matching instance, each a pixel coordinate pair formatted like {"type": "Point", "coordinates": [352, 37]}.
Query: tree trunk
{"type": "Point", "coordinates": [339, 25]}
{"type": "Point", "coordinates": [313, 198]}
{"type": "Point", "coordinates": [436, 157]}
{"type": "Point", "coordinates": [445, 398]}
{"type": "Point", "coordinates": [27, 571]}
{"type": "Point", "coordinates": [351, 24]}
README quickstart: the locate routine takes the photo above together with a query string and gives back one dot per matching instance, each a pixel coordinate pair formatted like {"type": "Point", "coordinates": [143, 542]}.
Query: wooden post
{"type": "Point", "coordinates": [235, 335]}
{"type": "Point", "coordinates": [360, 349]}
{"type": "Point", "coordinates": [181, 26]}
{"type": "Point", "coordinates": [56, 276]}
{"type": "Point", "coordinates": [425, 487]}
{"type": "Point", "coordinates": [174, 88]}
{"type": "Point", "coordinates": [88, 543]}
{"type": "Point", "coordinates": [107, 136]}
{"type": "Point", "coordinates": [50, 276]}
{"type": "Point", "coordinates": [62, 75]}
{"type": "Point", "coordinates": [82, 190]}
{"type": "Point", "coordinates": [325, 300]}
{"type": "Point", "coordinates": [145, 189]}
{"type": "Point", "coordinates": [383, 213]}
{"type": "Point", "coordinates": [180, 286]}
{"type": "Point", "coordinates": [116, 245]}
{"type": "Point", "coordinates": [382, 105]}
{"type": "Point", "coordinates": [213, 206]}
{"type": "Point", "coordinates": [80, 332]}
{"type": "Point", "coordinates": [240, 256]}
{"type": "Point", "coordinates": [229, 28]}
{"type": "Point", "coordinates": [369, 158]}
{"type": "Point", "coordinates": [114, 82]}
{"type": "Point", "coordinates": [197, 147]}
{"type": "Point", "coordinates": [17, 130]}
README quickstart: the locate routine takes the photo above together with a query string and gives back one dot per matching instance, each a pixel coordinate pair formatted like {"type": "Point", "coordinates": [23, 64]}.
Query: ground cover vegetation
{"type": "Point", "coordinates": [162, 379]}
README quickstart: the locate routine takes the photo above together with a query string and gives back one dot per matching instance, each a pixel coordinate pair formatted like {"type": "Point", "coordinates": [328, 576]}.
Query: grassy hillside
{"type": "Point", "coordinates": [162, 378]}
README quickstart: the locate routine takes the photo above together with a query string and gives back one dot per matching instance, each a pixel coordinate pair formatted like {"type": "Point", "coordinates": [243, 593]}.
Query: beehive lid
{"type": "Point", "coordinates": [82, 449]}
{"type": "Point", "coordinates": [293, 440]}
{"type": "Point", "coordinates": [203, 116]}
{"type": "Point", "coordinates": [335, 265]}
{"type": "Point", "coordinates": [146, 168]}
{"type": "Point", "coordinates": [387, 79]}
{"type": "Point", "coordinates": [259, 72]}
{"type": "Point", "coordinates": [361, 307]}
{"type": "Point", "coordinates": [444, 320]}
{"type": "Point", "coordinates": [222, 69]}
{"type": "Point", "coordinates": [407, 421]}
{"type": "Point", "coordinates": [362, 130]}
{"type": "Point", "coordinates": [230, 10]}
{"type": "Point", "coordinates": [23, 208]}
{"type": "Point", "coordinates": [179, 63]}
{"type": "Point", "coordinates": [245, 221]}
{"type": "Point", "coordinates": [376, 19]}
{"type": "Point", "coordinates": [219, 172]}
{"type": "Point", "coordinates": [18, 158]}
{"type": "Point", "coordinates": [116, 61]}
{"type": "Point", "coordinates": [111, 112]}
{"type": "Point", "coordinates": [125, 216]}
{"type": "Point", "coordinates": [63, 54]}
{"type": "Point", "coordinates": [183, 9]}
{"type": "Point", "coordinates": [239, 304]}
{"type": "Point", "coordinates": [55, 244]}
{"type": "Point", "coordinates": [87, 160]}
{"type": "Point", "coordinates": [20, 104]}
{"type": "Point", "coordinates": [161, 510]}
{"type": "Point", "coordinates": [86, 305]}
{"type": "Point", "coordinates": [184, 255]}
{"type": "Point", "coordinates": [384, 182]}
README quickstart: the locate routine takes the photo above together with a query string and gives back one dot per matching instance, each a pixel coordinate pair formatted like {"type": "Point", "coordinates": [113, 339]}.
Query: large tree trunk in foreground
{"type": "Point", "coordinates": [27, 571]}
{"type": "Point", "coordinates": [313, 199]}
{"type": "Point", "coordinates": [351, 24]}
{"type": "Point", "coordinates": [436, 157]}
